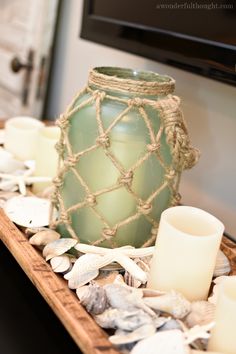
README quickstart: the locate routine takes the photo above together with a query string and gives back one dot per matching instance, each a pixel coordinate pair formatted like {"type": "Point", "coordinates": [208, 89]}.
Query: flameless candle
{"type": "Point", "coordinates": [187, 244]}
{"type": "Point", "coordinates": [21, 137]}
{"type": "Point", "coordinates": [46, 159]}
{"type": "Point", "coordinates": [223, 334]}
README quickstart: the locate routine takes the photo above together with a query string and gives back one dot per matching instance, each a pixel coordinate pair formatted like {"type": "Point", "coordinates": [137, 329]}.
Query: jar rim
{"type": "Point", "coordinates": [134, 81]}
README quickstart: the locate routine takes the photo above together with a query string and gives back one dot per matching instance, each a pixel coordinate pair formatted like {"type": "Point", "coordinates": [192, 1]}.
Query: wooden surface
{"type": "Point", "coordinates": [90, 338]}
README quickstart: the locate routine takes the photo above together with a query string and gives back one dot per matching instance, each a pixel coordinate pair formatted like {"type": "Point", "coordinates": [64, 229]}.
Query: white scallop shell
{"type": "Point", "coordinates": [167, 342]}
{"type": "Point", "coordinates": [42, 238]}
{"type": "Point", "coordinates": [222, 266]}
{"type": "Point", "coordinates": [28, 211]}
{"type": "Point", "coordinates": [60, 264]}
{"type": "Point", "coordinates": [83, 271]}
{"type": "Point", "coordinates": [202, 312]}
{"type": "Point", "coordinates": [58, 247]}
{"type": "Point", "coordinates": [130, 337]}
{"type": "Point", "coordinates": [5, 196]}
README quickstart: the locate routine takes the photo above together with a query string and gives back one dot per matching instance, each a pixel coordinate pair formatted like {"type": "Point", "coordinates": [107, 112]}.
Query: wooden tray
{"type": "Point", "coordinates": [90, 338]}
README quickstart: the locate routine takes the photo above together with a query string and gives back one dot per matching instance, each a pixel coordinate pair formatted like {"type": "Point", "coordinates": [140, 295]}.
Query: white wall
{"type": "Point", "coordinates": [209, 107]}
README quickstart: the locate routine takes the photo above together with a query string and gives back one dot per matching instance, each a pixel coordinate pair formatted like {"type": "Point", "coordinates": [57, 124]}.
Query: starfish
{"type": "Point", "coordinates": [26, 178]}
{"type": "Point", "coordinates": [95, 258]}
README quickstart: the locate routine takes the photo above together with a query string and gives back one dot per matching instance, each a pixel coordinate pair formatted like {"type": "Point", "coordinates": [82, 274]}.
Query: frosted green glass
{"type": "Point", "coordinates": [128, 141]}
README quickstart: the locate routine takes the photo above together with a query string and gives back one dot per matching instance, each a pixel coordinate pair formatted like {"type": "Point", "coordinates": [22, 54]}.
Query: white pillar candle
{"type": "Point", "coordinates": [223, 335]}
{"type": "Point", "coordinates": [46, 159]}
{"type": "Point", "coordinates": [21, 137]}
{"type": "Point", "coordinates": [185, 253]}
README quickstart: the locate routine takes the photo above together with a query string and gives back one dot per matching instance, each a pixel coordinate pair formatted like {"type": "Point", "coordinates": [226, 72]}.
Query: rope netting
{"type": "Point", "coordinates": [172, 125]}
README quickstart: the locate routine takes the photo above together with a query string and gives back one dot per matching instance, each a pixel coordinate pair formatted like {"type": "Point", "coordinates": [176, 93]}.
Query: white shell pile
{"type": "Point", "coordinates": [143, 319]}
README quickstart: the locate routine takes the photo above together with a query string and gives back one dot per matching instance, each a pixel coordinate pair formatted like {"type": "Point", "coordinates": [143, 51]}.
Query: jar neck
{"type": "Point", "coordinates": [129, 82]}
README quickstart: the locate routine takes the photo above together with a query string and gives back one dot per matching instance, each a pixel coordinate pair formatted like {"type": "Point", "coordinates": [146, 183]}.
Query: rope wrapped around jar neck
{"type": "Point", "coordinates": [127, 80]}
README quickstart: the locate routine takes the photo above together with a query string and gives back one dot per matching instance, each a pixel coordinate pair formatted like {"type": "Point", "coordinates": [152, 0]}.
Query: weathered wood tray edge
{"type": "Point", "coordinates": [85, 332]}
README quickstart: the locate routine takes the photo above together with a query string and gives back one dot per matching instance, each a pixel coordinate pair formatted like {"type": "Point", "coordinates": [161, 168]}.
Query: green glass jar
{"type": "Point", "coordinates": [118, 172]}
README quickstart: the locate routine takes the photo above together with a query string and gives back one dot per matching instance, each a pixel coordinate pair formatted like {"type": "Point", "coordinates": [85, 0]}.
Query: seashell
{"type": "Point", "coordinates": [82, 271]}
{"type": "Point", "coordinates": [8, 163]}
{"type": "Point", "coordinates": [160, 322]}
{"type": "Point", "coordinates": [58, 247]}
{"type": "Point", "coordinates": [5, 196]}
{"type": "Point", "coordinates": [147, 292]}
{"type": "Point", "coordinates": [131, 267]}
{"type": "Point", "coordinates": [83, 278]}
{"type": "Point", "coordinates": [171, 324]}
{"type": "Point", "coordinates": [121, 256]}
{"type": "Point", "coordinates": [28, 211]}
{"type": "Point", "coordinates": [167, 342]}
{"type": "Point", "coordinates": [202, 312]}
{"type": "Point", "coordinates": [122, 319]}
{"type": "Point", "coordinates": [29, 231]}
{"type": "Point", "coordinates": [42, 238]}
{"type": "Point", "coordinates": [126, 250]}
{"type": "Point", "coordinates": [217, 281]}
{"type": "Point", "coordinates": [130, 337]}
{"type": "Point", "coordinates": [94, 299]}
{"type": "Point", "coordinates": [126, 298]}
{"type": "Point", "coordinates": [81, 290]}
{"type": "Point", "coordinates": [119, 280]}
{"type": "Point", "coordinates": [197, 332]}
{"type": "Point", "coordinates": [106, 277]}
{"type": "Point", "coordinates": [60, 264]}
{"type": "Point", "coordinates": [222, 266]}
{"type": "Point", "coordinates": [172, 302]}
{"type": "Point", "coordinates": [130, 280]}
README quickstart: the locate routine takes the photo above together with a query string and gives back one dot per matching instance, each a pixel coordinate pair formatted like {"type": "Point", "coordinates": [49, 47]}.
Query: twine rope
{"type": "Point", "coordinates": [184, 156]}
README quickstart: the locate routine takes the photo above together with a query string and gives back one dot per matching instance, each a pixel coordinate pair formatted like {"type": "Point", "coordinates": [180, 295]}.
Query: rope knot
{"type": "Point", "coordinates": [64, 217]}
{"type": "Point", "coordinates": [103, 140]}
{"type": "Point", "coordinates": [59, 146]}
{"type": "Point", "coordinates": [71, 161]}
{"type": "Point", "coordinates": [127, 178]}
{"type": "Point", "coordinates": [138, 102]}
{"type": "Point", "coordinates": [62, 122]}
{"type": "Point", "coordinates": [54, 197]}
{"type": "Point", "coordinates": [91, 200]}
{"type": "Point", "coordinates": [144, 208]}
{"type": "Point", "coordinates": [58, 182]}
{"type": "Point", "coordinates": [108, 233]}
{"type": "Point", "coordinates": [99, 94]}
{"type": "Point", "coordinates": [170, 175]}
{"type": "Point", "coordinates": [153, 147]}
{"type": "Point", "coordinates": [176, 199]}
